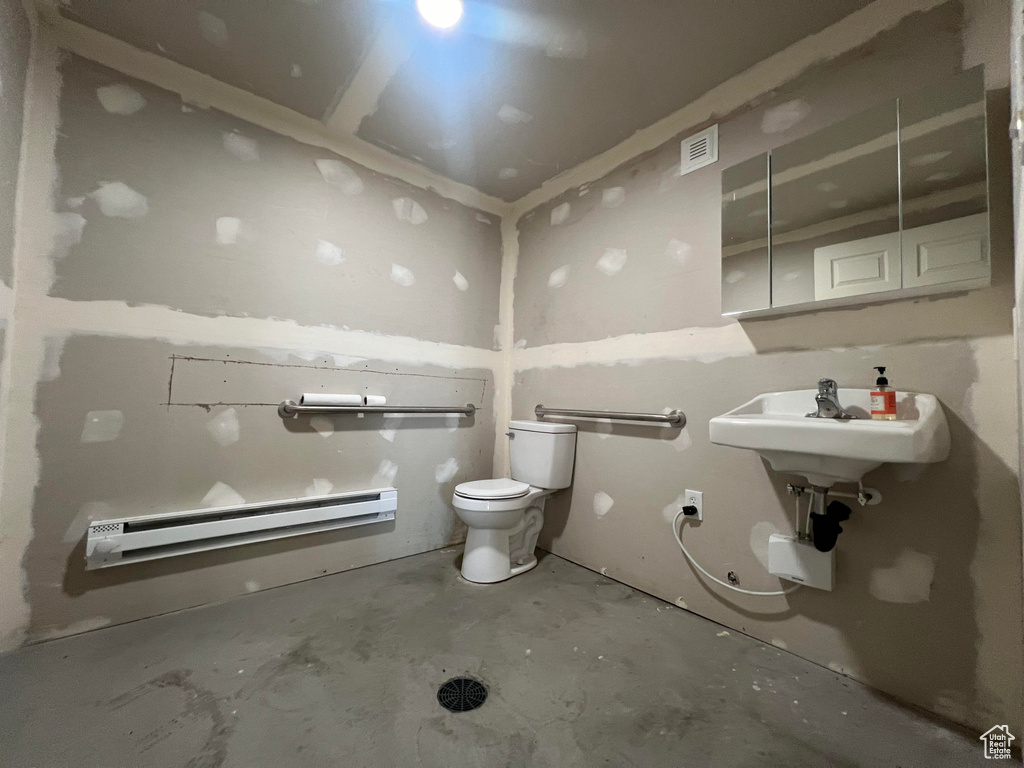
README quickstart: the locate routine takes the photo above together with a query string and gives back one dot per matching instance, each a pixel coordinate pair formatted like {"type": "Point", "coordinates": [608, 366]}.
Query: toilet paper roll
{"type": "Point", "coordinates": [330, 400]}
{"type": "Point", "coordinates": [376, 400]}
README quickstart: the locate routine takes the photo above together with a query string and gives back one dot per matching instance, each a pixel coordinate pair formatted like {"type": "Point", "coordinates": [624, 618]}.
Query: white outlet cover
{"type": "Point", "coordinates": [695, 498]}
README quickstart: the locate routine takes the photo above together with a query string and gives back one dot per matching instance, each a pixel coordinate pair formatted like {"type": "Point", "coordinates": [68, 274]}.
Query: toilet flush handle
{"type": "Point", "coordinates": [511, 435]}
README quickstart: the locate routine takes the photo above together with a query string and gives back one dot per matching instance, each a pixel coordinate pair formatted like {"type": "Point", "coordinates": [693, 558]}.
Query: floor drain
{"type": "Point", "coordinates": [461, 694]}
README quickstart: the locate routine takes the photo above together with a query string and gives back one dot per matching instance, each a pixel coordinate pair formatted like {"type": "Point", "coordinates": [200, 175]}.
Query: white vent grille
{"type": "Point", "coordinates": [699, 150]}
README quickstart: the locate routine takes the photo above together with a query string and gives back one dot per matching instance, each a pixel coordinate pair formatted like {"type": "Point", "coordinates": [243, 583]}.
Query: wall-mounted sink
{"type": "Point", "coordinates": [828, 451]}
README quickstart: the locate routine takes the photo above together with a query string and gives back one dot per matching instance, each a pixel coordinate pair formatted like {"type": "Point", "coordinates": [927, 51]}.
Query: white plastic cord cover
{"type": "Point", "coordinates": [677, 532]}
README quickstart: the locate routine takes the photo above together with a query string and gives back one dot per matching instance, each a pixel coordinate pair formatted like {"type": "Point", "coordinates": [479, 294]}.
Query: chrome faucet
{"type": "Point", "coordinates": [828, 402]}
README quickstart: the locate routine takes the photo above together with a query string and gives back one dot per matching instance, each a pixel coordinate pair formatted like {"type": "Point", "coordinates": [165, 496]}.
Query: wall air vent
{"type": "Point", "coordinates": [699, 150]}
{"type": "Point", "coordinates": [150, 537]}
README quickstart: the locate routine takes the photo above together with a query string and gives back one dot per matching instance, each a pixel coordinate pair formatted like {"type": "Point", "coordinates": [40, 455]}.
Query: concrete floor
{"type": "Point", "coordinates": [343, 671]}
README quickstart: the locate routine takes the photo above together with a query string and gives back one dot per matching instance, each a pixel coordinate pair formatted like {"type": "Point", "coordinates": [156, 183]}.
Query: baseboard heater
{"type": "Point", "coordinates": [151, 537]}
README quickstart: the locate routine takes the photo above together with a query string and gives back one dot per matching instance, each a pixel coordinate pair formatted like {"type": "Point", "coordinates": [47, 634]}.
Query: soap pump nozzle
{"type": "Point", "coordinates": [881, 380]}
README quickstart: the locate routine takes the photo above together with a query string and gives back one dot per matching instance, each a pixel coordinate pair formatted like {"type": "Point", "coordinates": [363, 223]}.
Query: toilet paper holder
{"type": "Point", "coordinates": [290, 409]}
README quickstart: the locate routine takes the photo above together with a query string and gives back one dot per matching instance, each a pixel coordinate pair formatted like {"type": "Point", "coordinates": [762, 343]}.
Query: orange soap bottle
{"type": "Point", "coordinates": [883, 398]}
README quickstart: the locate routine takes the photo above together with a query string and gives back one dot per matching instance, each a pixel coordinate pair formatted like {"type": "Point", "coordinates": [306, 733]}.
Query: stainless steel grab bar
{"type": "Point", "coordinates": [675, 418]}
{"type": "Point", "coordinates": [290, 408]}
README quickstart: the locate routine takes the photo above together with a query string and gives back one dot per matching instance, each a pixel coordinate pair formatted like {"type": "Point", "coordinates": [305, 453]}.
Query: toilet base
{"type": "Point", "coordinates": [487, 558]}
{"type": "Point", "coordinates": [490, 575]}
{"type": "Point", "coordinates": [528, 563]}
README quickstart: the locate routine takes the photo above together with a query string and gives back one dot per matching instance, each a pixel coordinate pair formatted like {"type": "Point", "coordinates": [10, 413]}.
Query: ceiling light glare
{"type": "Point", "coordinates": [443, 14]}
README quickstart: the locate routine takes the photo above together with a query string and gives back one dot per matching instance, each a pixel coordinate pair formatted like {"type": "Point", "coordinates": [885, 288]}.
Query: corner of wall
{"type": "Point", "coordinates": [17, 382]}
{"type": "Point", "coordinates": [504, 377]}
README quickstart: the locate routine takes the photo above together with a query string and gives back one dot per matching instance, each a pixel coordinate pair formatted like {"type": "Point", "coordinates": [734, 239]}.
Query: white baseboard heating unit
{"type": "Point", "coordinates": [151, 537]}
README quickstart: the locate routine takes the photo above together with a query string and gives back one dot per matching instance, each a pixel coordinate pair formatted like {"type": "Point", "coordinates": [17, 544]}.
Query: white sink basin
{"type": "Point", "coordinates": [828, 451]}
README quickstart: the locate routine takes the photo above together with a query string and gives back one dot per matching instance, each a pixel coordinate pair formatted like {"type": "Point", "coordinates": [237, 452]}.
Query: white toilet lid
{"type": "Point", "coordinates": [500, 488]}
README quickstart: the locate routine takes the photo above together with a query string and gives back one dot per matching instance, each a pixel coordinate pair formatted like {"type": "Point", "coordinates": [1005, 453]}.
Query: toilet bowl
{"type": "Point", "coordinates": [505, 516]}
{"type": "Point", "coordinates": [503, 529]}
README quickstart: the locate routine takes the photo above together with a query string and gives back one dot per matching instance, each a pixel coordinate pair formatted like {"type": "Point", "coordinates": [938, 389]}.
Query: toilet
{"type": "Point", "coordinates": [504, 516]}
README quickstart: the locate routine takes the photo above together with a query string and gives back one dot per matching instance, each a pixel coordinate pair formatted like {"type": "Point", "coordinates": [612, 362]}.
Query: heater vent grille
{"type": "Point", "coordinates": [149, 537]}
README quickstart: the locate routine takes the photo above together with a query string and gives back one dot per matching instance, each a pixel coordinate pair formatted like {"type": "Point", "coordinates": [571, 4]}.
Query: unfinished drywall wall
{"type": "Point", "coordinates": [133, 426]}
{"type": "Point", "coordinates": [617, 306]}
{"type": "Point", "coordinates": [180, 273]}
{"type": "Point", "coordinates": [254, 224]}
{"type": "Point", "coordinates": [15, 42]}
{"type": "Point", "coordinates": [14, 48]}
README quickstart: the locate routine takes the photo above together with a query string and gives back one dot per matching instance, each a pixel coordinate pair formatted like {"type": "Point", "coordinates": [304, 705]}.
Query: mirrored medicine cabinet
{"type": "Point", "coordinates": [889, 203]}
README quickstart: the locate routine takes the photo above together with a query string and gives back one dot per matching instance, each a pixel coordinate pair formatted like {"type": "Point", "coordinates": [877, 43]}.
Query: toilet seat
{"type": "Point", "coordinates": [492, 490]}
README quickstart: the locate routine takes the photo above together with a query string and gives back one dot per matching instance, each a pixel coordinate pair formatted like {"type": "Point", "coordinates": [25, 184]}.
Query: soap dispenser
{"type": "Point", "coordinates": [883, 398]}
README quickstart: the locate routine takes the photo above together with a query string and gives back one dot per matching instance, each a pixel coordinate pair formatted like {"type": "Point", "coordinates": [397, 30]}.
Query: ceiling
{"type": "Point", "coordinates": [520, 91]}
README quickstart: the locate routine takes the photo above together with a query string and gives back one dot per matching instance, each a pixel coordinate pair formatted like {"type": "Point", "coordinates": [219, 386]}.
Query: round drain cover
{"type": "Point", "coordinates": [461, 694]}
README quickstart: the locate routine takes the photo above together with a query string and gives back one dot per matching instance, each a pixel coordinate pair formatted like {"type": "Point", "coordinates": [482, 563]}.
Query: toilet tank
{"type": "Point", "coordinates": [542, 453]}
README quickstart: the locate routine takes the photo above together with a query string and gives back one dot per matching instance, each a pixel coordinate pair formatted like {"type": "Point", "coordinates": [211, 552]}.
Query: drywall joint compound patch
{"type": "Point", "coordinates": [613, 197]}
{"type": "Point", "coordinates": [228, 229]}
{"type": "Point", "coordinates": [391, 426]}
{"type": "Point", "coordinates": [784, 116]}
{"type": "Point", "coordinates": [560, 214]}
{"type": "Point", "coordinates": [102, 426]}
{"type": "Point", "coordinates": [117, 200]}
{"type": "Point", "coordinates": [322, 424]}
{"type": "Point", "coordinates": [678, 251]}
{"type": "Point", "coordinates": [120, 99]}
{"type": "Point", "coordinates": [408, 210]}
{"type": "Point", "coordinates": [224, 427]}
{"type": "Point", "coordinates": [386, 473]}
{"type": "Point", "coordinates": [612, 262]}
{"type": "Point", "coordinates": [340, 175]}
{"type": "Point", "coordinates": [67, 234]}
{"type": "Point", "coordinates": [321, 487]}
{"type": "Point", "coordinates": [512, 116]}
{"type": "Point", "coordinates": [446, 472]}
{"type": "Point", "coordinates": [558, 277]}
{"type": "Point", "coordinates": [222, 495]}
{"type": "Point", "coordinates": [602, 503]}
{"type": "Point", "coordinates": [402, 275]}
{"type": "Point", "coordinates": [212, 28]}
{"type": "Point", "coordinates": [242, 147]}
{"type": "Point", "coordinates": [909, 580]}
{"type": "Point", "coordinates": [329, 254]}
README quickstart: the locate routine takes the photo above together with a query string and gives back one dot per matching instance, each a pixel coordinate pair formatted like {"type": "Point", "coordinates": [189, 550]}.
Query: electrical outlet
{"type": "Point", "coordinates": [695, 499]}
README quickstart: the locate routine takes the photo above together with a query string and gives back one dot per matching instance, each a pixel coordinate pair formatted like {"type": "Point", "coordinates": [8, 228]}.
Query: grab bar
{"type": "Point", "coordinates": [290, 408]}
{"type": "Point", "coordinates": [674, 418]}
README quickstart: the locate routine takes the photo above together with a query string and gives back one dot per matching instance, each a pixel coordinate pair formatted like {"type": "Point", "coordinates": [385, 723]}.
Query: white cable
{"type": "Point", "coordinates": [677, 532]}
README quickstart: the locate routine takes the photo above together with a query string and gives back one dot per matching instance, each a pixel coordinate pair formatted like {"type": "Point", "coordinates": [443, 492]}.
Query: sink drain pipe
{"type": "Point", "coordinates": [823, 517]}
